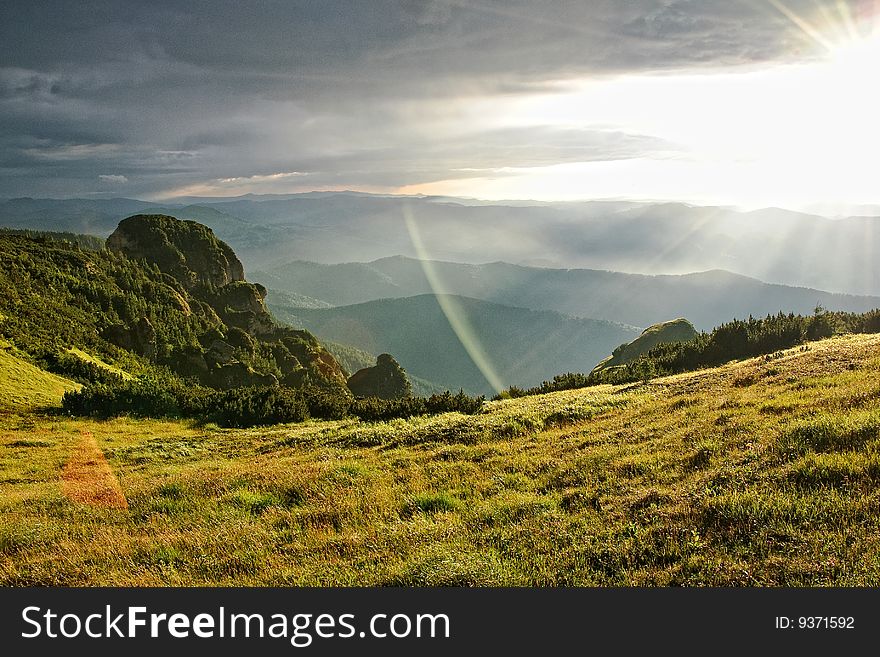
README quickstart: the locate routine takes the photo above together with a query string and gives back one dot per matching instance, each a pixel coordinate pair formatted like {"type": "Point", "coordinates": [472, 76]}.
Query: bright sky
{"type": "Point", "coordinates": [790, 135]}
{"type": "Point", "coordinates": [736, 102]}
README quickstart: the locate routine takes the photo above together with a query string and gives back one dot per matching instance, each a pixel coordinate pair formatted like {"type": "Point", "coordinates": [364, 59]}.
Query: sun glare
{"type": "Point", "coordinates": [857, 62]}
{"type": "Point", "coordinates": [792, 134]}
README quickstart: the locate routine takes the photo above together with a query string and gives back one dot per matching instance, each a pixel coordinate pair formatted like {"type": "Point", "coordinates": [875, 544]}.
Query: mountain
{"type": "Point", "coordinates": [521, 347]}
{"type": "Point", "coordinates": [164, 294]}
{"type": "Point", "coordinates": [86, 216]}
{"type": "Point", "coordinates": [773, 245]}
{"type": "Point", "coordinates": [707, 298]}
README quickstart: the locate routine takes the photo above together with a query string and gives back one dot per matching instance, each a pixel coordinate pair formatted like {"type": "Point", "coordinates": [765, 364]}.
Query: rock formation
{"type": "Point", "coordinates": [187, 250]}
{"type": "Point", "coordinates": [676, 330]}
{"type": "Point", "coordinates": [204, 275]}
{"type": "Point", "coordinates": [386, 380]}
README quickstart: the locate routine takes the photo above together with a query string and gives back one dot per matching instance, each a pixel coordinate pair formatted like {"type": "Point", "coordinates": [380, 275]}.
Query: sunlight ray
{"type": "Point", "coordinates": [703, 222]}
{"type": "Point", "coordinates": [846, 17]}
{"type": "Point", "coordinates": [804, 26]}
{"type": "Point", "coordinates": [831, 24]}
{"type": "Point", "coordinates": [451, 308]}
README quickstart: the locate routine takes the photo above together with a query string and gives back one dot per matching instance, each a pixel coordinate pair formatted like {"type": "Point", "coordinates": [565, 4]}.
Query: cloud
{"type": "Point", "coordinates": [177, 94]}
{"type": "Point", "coordinates": [269, 177]}
{"type": "Point", "coordinates": [112, 178]}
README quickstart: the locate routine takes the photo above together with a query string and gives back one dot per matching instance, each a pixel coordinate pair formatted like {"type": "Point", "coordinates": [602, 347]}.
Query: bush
{"type": "Point", "coordinates": [330, 402]}
{"type": "Point", "coordinates": [146, 396]}
{"type": "Point", "coordinates": [373, 409]}
{"type": "Point", "coordinates": [448, 403]}
{"type": "Point", "coordinates": [165, 395]}
{"type": "Point", "coordinates": [248, 407]}
{"type": "Point", "coordinates": [731, 341]}
{"type": "Point", "coordinates": [73, 367]}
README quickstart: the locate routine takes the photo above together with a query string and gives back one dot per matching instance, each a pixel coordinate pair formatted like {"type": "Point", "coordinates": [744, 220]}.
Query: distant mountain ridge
{"type": "Point", "coordinates": [774, 245]}
{"type": "Point", "coordinates": [523, 347]}
{"type": "Point", "coordinates": [706, 298]}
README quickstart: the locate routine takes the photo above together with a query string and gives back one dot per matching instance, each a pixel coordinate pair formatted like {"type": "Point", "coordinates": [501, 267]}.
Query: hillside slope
{"type": "Point", "coordinates": [523, 347]}
{"type": "Point", "coordinates": [24, 386]}
{"type": "Point", "coordinates": [706, 298]}
{"type": "Point", "coordinates": [671, 332]}
{"type": "Point", "coordinates": [759, 473]}
{"type": "Point", "coordinates": [166, 293]}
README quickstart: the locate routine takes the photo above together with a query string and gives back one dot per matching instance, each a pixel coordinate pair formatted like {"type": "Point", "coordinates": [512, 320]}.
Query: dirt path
{"type": "Point", "coordinates": [88, 479]}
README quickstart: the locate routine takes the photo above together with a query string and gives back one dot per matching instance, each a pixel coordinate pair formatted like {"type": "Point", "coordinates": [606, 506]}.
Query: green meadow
{"type": "Point", "coordinates": [759, 472]}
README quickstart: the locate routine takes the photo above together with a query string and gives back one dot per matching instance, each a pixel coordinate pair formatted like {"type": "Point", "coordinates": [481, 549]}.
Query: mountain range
{"type": "Point", "coordinates": [771, 245]}
{"type": "Point", "coordinates": [707, 299]}
{"type": "Point", "coordinates": [457, 342]}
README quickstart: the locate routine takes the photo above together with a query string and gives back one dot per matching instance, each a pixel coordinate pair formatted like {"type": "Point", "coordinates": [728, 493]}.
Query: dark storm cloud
{"type": "Point", "coordinates": [140, 98]}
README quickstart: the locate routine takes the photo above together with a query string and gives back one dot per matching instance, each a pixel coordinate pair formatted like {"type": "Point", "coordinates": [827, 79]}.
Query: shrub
{"type": "Point", "coordinates": [460, 403]}
{"type": "Point", "coordinates": [73, 367]}
{"type": "Point", "coordinates": [731, 341]}
{"type": "Point", "coordinates": [330, 402]}
{"type": "Point", "coordinates": [145, 396]}
{"type": "Point", "coordinates": [253, 406]}
{"type": "Point", "coordinates": [373, 409]}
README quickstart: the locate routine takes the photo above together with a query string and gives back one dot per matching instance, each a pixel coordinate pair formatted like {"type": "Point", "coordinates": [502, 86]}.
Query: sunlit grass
{"type": "Point", "coordinates": [757, 473]}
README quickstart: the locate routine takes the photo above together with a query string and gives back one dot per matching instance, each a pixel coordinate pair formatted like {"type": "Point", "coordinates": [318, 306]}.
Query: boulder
{"type": "Point", "coordinates": [140, 338]}
{"type": "Point", "coordinates": [237, 375]}
{"type": "Point", "coordinates": [385, 380]}
{"type": "Point", "coordinates": [220, 353]}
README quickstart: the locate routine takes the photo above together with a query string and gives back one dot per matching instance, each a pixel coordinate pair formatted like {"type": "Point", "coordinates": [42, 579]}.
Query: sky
{"type": "Point", "coordinates": [748, 103]}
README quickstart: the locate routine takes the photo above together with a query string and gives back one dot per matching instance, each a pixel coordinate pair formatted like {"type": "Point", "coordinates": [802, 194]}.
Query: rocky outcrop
{"type": "Point", "coordinates": [204, 277]}
{"type": "Point", "coordinates": [674, 331]}
{"type": "Point", "coordinates": [220, 353]}
{"type": "Point", "coordinates": [187, 250]}
{"type": "Point", "coordinates": [316, 360]}
{"type": "Point", "coordinates": [385, 380]}
{"type": "Point", "coordinates": [140, 338]}
{"type": "Point", "coordinates": [237, 375]}
{"type": "Point", "coordinates": [242, 296]}
{"type": "Point", "coordinates": [241, 305]}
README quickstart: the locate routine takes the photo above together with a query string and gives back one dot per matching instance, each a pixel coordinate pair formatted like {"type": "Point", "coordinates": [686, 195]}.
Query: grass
{"type": "Point", "coordinates": [763, 472]}
{"type": "Point", "coordinates": [94, 360]}
{"type": "Point", "coordinates": [24, 386]}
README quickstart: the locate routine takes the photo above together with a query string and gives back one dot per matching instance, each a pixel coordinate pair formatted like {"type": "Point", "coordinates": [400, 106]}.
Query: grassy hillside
{"type": "Point", "coordinates": [763, 472]}
{"type": "Point", "coordinates": [523, 346]}
{"type": "Point", "coordinates": [97, 362]}
{"type": "Point", "coordinates": [131, 315]}
{"type": "Point", "coordinates": [673, 331]}
{"type": "Point", "coordinates": [25, 386]}
{"type": "Point", "coordinates": [705, 298]}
